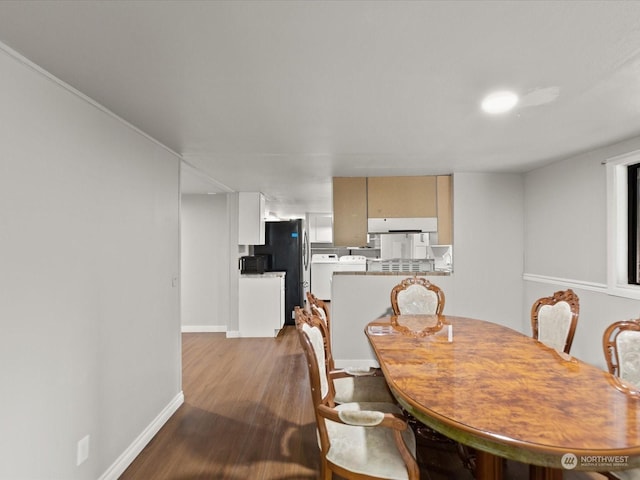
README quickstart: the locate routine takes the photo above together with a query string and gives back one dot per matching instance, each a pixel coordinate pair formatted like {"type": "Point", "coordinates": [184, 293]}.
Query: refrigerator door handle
{"type": "Point", "coordinates": [305, 250]}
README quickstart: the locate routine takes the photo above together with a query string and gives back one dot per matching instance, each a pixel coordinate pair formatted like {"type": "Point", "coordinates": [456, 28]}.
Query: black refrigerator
{"type": "Point", "coordinates": [286, 247]}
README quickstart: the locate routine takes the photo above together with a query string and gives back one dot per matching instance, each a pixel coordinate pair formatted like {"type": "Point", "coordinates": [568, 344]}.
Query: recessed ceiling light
{"type": "Point", "coordinates": [499, 102]}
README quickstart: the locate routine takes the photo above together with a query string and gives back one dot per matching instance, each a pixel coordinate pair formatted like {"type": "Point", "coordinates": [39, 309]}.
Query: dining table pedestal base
{"type": "Point", "coordinates": [488, 466]}
{"type": "Point", "coordinates": [544, 473]}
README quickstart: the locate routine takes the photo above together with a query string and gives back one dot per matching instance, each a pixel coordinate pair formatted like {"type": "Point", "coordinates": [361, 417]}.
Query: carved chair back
{"type": "Point", "coordinates": [554, 319]}
{"type": "Point", "coordinates": [315, 330]}
{"type": "Point", "coordinates": [417, 295]}
{"type": "Point", "coordinates": [321, 308]}
{"type": "Point", "coordinates": [621, 345]}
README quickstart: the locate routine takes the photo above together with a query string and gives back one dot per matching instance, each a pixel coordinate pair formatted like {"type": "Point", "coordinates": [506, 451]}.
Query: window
{"type": "Point", "coordinates": [623, 225]}
{"type": "Point", "coordinates": [633, 242]}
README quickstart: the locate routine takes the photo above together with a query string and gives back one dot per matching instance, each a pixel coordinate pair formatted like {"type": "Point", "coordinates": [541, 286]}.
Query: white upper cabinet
{"type": "Point", "coordinates": [320, 227]}
{"type": "Point", "coordinates": [251, 218]}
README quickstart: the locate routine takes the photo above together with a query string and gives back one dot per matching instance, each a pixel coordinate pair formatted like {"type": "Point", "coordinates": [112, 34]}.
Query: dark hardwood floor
{"type": "Point", "coordinates": [247, 415]}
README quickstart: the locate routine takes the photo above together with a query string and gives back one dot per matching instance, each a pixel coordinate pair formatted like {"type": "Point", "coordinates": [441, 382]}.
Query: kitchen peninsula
{"type": "Point", "coordinates": [488, 265]}
{"type": "Point", "coordinates": [360, 297]}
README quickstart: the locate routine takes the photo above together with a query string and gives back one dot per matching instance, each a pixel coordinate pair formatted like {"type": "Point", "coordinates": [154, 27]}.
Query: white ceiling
{"type": "Point", "coordinates": [279, 96]}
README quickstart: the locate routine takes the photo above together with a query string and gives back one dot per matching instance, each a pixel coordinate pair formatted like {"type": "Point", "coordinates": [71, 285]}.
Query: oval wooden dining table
{"type": "Point", "coordinates": [507, 395]}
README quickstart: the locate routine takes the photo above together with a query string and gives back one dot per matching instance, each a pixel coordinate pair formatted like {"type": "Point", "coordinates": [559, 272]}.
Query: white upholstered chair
{"type": "Point", "coordinates": [349, 385]}
{"type": "Point", "coordinates": [319, 307]}
{"type": "Point", "coordinates": [554, 319]}
{"type": "Point", "coordinates": [621, 345]}
{"type": "Point", "coordinates": [417, 295]}
{"type": "Point", "coordinates": [360, 440]}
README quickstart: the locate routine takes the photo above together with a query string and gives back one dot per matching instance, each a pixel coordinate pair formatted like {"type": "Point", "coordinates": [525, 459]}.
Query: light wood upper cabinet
{"type": "Point", "coordinates": [445, 210]}
{"type": "Point", "coordinates": [357, 198]}
{"type": "Point", "coordinates": [349, 211]}
{"type": "Point", "coordinates": [397, 197]}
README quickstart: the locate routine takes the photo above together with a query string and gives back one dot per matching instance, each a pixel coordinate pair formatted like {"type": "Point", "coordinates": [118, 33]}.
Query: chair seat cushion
{"type": "Point", "coordinates": [368, 450]}
{"type": "Point", "coordinates": [362, 389]}
{"type": "Point", "coordinates": [360, 371]}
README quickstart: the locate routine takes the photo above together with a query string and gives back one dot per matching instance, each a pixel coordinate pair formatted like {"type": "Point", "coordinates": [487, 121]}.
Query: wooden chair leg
{"type": "Point", "coordinates": [325, 471]}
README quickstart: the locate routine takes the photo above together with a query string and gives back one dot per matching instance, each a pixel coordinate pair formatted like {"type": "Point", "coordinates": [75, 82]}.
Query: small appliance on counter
{"type": "Point", "coordinates": [352, 263]}
{"type": "Point", "coordinates": [443, 257]}
{"type": "Point", "coordinates": [253, 264]}
{"type": "Point", "coordinates": [404, 245]}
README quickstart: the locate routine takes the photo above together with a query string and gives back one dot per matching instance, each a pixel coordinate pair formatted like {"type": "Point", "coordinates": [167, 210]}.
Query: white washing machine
{"type": "Point", "coordinates": [322, 267]}
{"type": "Point", "coordinates": [352, 263]}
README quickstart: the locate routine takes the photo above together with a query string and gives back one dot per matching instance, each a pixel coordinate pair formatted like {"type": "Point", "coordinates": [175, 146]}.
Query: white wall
{"type": "Point", "coordinates": [565, 208]}
{"type": "Point", "coordinates": [205, 263]}
{"type": "Point", "coordinates": [357, 300]}
{"type": "Point", "coordinates": [488, 247]}
{"type": "Point", "coordinates": [487, 262]}
{"type": "Point", "coordinates": [565, 243]}
{"type": "Point", "coordinates": [89, 297]}
{"type": "Point", "coordinates": [234, 252]}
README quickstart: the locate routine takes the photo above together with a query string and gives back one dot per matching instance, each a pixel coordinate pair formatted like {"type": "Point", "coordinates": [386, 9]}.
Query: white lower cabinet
{"type": "Point", "coordinates": [261, 304]}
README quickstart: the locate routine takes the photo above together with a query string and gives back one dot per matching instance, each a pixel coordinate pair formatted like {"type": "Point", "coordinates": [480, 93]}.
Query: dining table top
{"type": "Point", "coordinates": [496, 389]}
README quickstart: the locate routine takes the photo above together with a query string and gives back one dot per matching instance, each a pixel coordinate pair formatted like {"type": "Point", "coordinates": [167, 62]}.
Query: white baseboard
{"type": "Point", "coordinates": [130, 454]}
{"type": "Point", "coordinates": [234, 334]}
{"type": "Point", "coordinates": [204, 328]}
{"type": "Point", "coordinates": [566, 282]}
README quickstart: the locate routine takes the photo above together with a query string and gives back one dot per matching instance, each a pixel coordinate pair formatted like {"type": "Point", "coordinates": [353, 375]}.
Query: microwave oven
{"type": "Point", "coordinates": [253, 264]}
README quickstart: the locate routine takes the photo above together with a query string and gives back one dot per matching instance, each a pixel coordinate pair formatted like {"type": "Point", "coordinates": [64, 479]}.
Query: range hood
{"type": "Point", "coordinates": [402, 225]}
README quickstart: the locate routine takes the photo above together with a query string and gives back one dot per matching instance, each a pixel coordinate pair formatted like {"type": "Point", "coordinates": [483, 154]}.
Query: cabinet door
{"type": "Point", "coordinates": [320, 227]}
{"type": "Point", "coordinates": [251, 229]}
{"type": "Point", "coordinates": [445, 210]}
{"type": "Point", "coordinates": [349, 211]}
{"type": "Point", "coordinates": [266, 293]}
{"type": "Point", "coordinates": [397, 197]}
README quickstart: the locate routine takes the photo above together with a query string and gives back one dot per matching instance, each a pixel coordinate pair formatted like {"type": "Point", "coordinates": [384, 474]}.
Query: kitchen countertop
{"type": "Point", "coordinates": [263, 275]}
{"type": "Point", "coordinates": [405, 274]}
